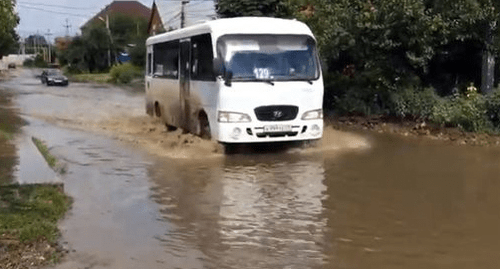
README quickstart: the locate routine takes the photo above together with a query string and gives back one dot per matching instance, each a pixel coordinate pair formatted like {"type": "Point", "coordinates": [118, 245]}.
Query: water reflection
{"type": "Point", "coordinates": [10, 123]}
{"type": "Point", "coordinates": [246, 211]}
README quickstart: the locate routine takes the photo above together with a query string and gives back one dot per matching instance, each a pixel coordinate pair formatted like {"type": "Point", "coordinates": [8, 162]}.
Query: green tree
{"type": "Point", "coordinates": [74, 56]}
{"type": "Point", "coordinates": [90, 52]}
{"type": "Point", "coordinates": [475, 20]}
{"type": "Point", "coordinates": [389, 45]}
{"type": "Point", "coordinates": [238, 8]}
{"type": "Point", "coordinates": [97, 43]}
{"type": "Point", "coordinates": [8, 22]}
{"type": "Point", "coordinates": [129, 35]}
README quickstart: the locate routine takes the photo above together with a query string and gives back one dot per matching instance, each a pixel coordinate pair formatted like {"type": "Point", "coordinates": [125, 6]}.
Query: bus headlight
{"type": "Point", "coordinates": [224, 116]}
{"type": "Point", "coordinates": [313, 115]}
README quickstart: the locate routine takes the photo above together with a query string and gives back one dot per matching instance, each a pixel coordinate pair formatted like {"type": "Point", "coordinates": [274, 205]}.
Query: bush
{"type": "Point", "coordinates": [37, 62]}
{"type": "Point", "coordinates": [414, 103]}
{"type": "Point", "coordinates": [29, 62]}
{"type": "Point", "coordinates": [124, 73]}
{"type": "Point", "coordinates": [466, 112]}
{"type": "Point", "coordinates": [493, 108]}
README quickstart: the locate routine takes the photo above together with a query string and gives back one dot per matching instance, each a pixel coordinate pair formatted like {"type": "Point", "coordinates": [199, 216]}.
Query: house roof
{"type": "Point", "coordinates": [127, 7]}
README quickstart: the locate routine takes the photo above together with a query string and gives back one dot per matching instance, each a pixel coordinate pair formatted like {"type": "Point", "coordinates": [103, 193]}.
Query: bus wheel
{"type": "Point", "coordinates": [170, 128]}
{"type": "Point", "coordinates": [204, 127]}
{"type": "Point", "coordinates": [157, 110]}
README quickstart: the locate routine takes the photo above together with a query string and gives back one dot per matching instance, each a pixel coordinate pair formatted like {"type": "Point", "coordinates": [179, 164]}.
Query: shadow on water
{"type": "Point", "coordinates": [10, 124]}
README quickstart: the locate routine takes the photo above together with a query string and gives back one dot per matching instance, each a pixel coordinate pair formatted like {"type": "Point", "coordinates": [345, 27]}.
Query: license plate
{"type": "Point", "coordinates": [277, 128]}
{"type": "Point", "coordinates": [58, 81]}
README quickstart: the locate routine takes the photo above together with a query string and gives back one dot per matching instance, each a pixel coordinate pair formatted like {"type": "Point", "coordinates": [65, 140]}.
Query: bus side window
{"type": "Point", "coordinates": [166, 57]}
{"type": "Point", "coordinates": [201, 58]}
{"type": "Point", "coordinates": [148, 63]}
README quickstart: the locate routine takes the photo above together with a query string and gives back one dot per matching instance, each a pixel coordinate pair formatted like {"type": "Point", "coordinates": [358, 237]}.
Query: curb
{"type": "Point", "coordinates": [32, 167]}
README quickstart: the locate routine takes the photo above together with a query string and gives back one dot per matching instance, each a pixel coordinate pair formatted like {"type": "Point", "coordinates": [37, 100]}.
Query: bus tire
{"type": "Point", "coordinates": [157, 110]}
{"type": "Point", "coordinates": [170, 128]}
{"type": "Point", "coordinates": [204, 127]}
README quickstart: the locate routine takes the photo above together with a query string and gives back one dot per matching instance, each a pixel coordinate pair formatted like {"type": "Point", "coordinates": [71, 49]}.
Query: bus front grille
{"type": "Point", "coordinates": [280, 134]}
{"type": "Point", "coordinates": [276, 113]}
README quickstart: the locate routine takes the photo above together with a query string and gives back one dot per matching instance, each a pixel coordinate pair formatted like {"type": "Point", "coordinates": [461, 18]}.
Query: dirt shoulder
{"type": "Point", "coordinates": [412, 128]}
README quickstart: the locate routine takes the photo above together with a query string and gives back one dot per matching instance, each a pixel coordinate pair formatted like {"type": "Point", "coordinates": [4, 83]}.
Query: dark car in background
{"type": "Point", "coordinates": [53, 77]}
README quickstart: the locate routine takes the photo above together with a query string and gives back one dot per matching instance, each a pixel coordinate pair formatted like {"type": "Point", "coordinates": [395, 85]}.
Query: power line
{"type": "Point", "coordinates": [55, 12]}
{"type": "Point", "coordinates": [174, 17]}
{"type": "Point", "coordinates": [58, 6]}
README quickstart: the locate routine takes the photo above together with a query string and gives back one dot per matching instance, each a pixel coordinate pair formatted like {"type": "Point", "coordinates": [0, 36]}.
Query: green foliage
{"type": "Point", "coordinates": [90, 52]}
{"type": "Point", "coordinates": [86, 77]}
{"type": "Point", "coordinates": [31, 211]}
{"type": "Point", "coordinates": [414, 103]}
{"type": "Point", "coordinates": [493, 108]}
{"type": "Point", "coordinates": [8, 23]}
{"type": "Point", "coordinates": [138, 53]}
{"type": "Point", "coordinates": [51, 160]}
{"type": "Point", "coordinates": [403, 40]}
{"type": "Point", "coordinates": [466, 112]}
{"type": "Point", "coordinates": [238, 8]}
{"type": "Point", "coordinates": [124, 73]}
{"type": "Point", "coordinates": [37, 62]}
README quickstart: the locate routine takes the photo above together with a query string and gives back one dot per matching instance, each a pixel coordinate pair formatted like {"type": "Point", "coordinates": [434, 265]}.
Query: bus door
{"type": "Point", "coordinates": [184, 77]}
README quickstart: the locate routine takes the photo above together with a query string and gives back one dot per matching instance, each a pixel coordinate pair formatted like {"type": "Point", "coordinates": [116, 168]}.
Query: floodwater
{"type": "Point", "coordinates": [145, 198]}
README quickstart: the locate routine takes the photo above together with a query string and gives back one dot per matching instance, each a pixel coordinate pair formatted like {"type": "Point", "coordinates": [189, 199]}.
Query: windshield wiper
{"type": "Point", "coordinates": [259, 80]}
{"type": "Point", "coordinates": [266, 80]}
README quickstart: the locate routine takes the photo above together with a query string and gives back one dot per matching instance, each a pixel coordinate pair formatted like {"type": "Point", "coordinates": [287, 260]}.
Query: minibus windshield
{"type": "Point", "coordinates": [269, 57]}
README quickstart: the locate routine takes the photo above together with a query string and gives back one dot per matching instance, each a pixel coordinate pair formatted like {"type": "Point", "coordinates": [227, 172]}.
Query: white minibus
{"type": "Point", "coordinates": [237, 80]}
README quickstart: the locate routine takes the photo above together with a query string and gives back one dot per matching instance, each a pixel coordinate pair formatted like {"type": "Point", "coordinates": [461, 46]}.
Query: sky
{"type": "Point", "coordinates": [50, 17]}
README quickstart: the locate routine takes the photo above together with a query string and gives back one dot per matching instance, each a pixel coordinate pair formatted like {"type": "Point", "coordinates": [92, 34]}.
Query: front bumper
{"type": "Point", "coordinates": [298, 130]}
{"type": "Point", "coordinates": [57, 82]}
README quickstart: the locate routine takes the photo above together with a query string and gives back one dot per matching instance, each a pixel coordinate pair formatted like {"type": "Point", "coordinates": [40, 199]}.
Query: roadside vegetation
{"type": "Point", "coordinates": [28, 213]}
{"type": "Point", "coordinates": [37, 62]}
{"type": "Point", "coordinates": [28, 224]}
{"type": "Point", "coordinates": [86, 77]}
{"type": "Point", "coordinates": [8, 22]}
{"type": "Point", "coordinates": [411, 60]}
{"type": "Point", "coordinates": [51, 160]}
{"type": "Point", "coordinates": [98, 54]}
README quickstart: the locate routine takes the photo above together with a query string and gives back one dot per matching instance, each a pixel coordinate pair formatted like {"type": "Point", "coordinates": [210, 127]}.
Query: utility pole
{"type": "Point", "coordinates": [109, 34]}
{"type": "Point", "coordinates": [36, 43]}
{"type": "Point", "coordinates": [67, 26]}
{"type": "Point", "coordinates": [48, 34]}
{"type": "Point", "coordinates": [183, 15]}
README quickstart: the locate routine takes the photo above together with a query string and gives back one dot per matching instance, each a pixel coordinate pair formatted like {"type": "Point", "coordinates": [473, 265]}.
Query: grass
{"type": "Point", "coordinates": [31, 212]}
{"type": "Point", "coordinates": [6, 135]}
{"type": "Point", "coordinates": [51, 160]}
{"type": "Point", "coordinates": [99, 78]}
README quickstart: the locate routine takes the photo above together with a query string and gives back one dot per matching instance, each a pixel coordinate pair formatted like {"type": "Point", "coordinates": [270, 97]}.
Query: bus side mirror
{"type": "Point", "coordinates": [218, 67]}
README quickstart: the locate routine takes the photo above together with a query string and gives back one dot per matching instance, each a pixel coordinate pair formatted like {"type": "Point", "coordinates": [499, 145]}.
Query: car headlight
{"type": "Point", "coordinates": [51, 79]}
{"type": "Point", "coordinates": [224, 116]}
{"type": "Point", "coordinates": [313, 114]}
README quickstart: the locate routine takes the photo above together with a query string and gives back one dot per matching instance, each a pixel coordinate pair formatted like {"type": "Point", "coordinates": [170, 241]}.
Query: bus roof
{"type": "Point", "coordinates": [240, 25]}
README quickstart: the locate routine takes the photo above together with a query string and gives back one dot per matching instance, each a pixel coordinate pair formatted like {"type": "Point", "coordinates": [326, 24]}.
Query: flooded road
{"type": "Point", "coordinates": [145, 198]}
